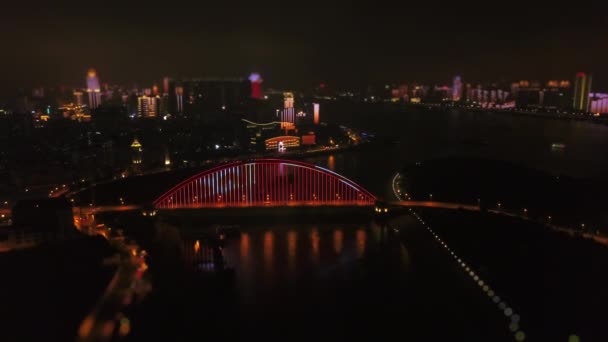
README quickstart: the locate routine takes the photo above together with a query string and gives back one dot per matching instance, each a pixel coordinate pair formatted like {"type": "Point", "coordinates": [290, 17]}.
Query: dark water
{"type": "Point", "coordinates": [425, 134]}
{"type": "Point", "coordinates": [328, 282]}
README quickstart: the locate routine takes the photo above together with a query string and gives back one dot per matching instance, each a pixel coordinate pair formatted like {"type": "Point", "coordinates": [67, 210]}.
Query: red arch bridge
{"type": "Point", "coordinates": [264, 182]}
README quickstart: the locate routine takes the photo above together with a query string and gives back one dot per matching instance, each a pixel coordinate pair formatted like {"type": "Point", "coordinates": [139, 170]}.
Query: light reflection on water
{"type": "Point", "coordinates": [272, 256]}
{"type": "Point", "coordinates": [338, 241]}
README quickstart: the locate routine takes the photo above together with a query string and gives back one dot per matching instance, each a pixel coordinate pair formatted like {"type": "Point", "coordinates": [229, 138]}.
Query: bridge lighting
{"type": "Point", "coordinates": [385, 210]}
{"type": "Point", "coordinates": [258, 181]}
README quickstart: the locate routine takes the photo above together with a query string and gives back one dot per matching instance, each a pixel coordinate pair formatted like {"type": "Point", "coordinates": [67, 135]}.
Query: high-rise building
{"type": "Point", "coordinates": [256, 86]}
{"type": "Point", "coordinates": [582, 88]}
{"type": "Point", "coordinates": [93, 89]}
{"type": "Point", "coordinates": [78, 98]}
{"type": "Point", "coordinates": [136, 152]}
{"type": "Point", "coordinates": [288, 113]}
{"type": "Point", "coordinates": [163, 104]}
{"type": "Point", "coordinates": [457, 89]}
{"type": "Point", "coordinates": [599, 103]}
{"type": "Point", "coordinates": [148, 106]}
{"type": "Point", "coordinates": [316, 113]}
{"type": "Point", "coordinates": [210, 94]}
{"type": "Point", "coordinates": [179, 98]}
{"type": "Point", "coordinates": [288, 100]}
{"type": "Point", "coordinates": [166, 85]}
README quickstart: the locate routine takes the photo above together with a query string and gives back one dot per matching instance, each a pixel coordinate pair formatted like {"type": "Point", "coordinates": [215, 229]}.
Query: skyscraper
{"type": "Point", "coordinates": [316, 113]}
{"type": "Point", "coordinates": [78, 98]}
{"type": "Point", "coordinates": [582, 88]}
{"type": "Point", "coordinates": [256, 86]}
{"type": "Point", "coordinates": [179, 99]}
{"type": "Point", "coordinates": [166, 85]}
{"type": "Point", "coordinates": [136, 152]}
{"type": "Point", "coordinates": [148, 106]}
{"type": "Point", "coordinates": [93, 89]}
{"type": "Point", "coordinates": [288, 113]}
{"type": "Point", "coordinates": [457, 89]}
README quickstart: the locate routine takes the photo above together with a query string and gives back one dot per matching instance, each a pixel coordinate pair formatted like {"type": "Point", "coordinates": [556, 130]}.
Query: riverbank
{"type": "Point", "coordinates": [497, 185]}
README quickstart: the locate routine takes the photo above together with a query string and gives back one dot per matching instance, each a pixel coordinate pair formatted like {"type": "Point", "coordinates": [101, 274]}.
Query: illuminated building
{"type": "Point", "coordinates": [257, 132]}
{"type": "Point", "coordinates": [163, 105]}
{"type": "Point", "coordinates": [179, 97]}
{"type": "Point", "coordinates": [74, 112]}
{"type": "Point", "coordinates": [216, 93]}
{"type": "Point", "coordinates": [78, 98]}
{"type": "Point", "coordinates": [166, 85]}
{"type": "Point", "coordinates": [316, 113]}
{"type": "Point", "coordinates": [309, 139]}
{"type": "Point", "coordinates": [93, 89]}
{"type": "Point", "coordinates": [155, 90]}
{"type": "Point", "coordinates": [288, 100]}
{"type": "Point", "coordinates": [582, 88]}
{"type": "Point", "coordinates": [136, 152]}
{"type": "Point", "coordinates": [288, 113]}
{"type": "Point", "coordinates": [167, 157]}
{"type": "Point", "coordinates": [457, 89]}
{"type": "Point", "coordinates": [148, 106]}
{"type": "Point", "coordinates": [599, 103]}
{"type": "Point", "coordinates": [256, 86]}
{"type": "Point", "coordinates": [282, 143]}
{"type": "Point", "coordinates": [552, 84]}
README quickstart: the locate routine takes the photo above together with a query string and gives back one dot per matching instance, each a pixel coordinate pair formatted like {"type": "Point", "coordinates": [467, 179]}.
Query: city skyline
{"type": "Point", "coordinates": [342, 45]}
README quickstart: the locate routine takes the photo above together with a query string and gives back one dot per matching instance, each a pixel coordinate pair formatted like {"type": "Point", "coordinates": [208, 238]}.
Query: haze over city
{"type": "Point", "coordinates": [318, 171]}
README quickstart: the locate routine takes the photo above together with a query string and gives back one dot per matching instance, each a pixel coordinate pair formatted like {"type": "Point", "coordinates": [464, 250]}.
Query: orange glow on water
{"type": "Point", "coordinates": [361, 241]}
{"type": "Point", "coordinates": [292, 244]}
{"type": "Point", "coordinates": [244, 245]}
{"type": "Point", "coordinates": [331, 162]}
{"type": "Point", "coordinates": [338, 241]}
{"type": "Point", "coordinates": [85, 327]}
{"type": "Point", "coordinates": [197, 246]}
{"type": "Point", "coordinates": [268, 249]}
{"type": "Point", "coordinates": [314, 239]}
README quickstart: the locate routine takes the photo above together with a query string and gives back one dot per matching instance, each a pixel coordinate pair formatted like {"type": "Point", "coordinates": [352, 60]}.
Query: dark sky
{"type": "Point", "coordinates": [300, 43]}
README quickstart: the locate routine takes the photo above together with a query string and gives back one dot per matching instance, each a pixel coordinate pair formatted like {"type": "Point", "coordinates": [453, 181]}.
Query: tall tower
{"type": "Point", "coordinates": [93, 89]}
{"type": "Point", "coordinates": [136, 152]}
{"type": "Point", "coordinates": [148, 106]}
{"type": "Point", "coordinates": [179, 98]}
{"type": "Point", "coordinates": [582, 88]}
{"type": "Point", "coordinates": [288, 115]}
{"type": "Point", "coordinates": [256, 86]}
{"type": "Point", "coordinates": [315, 113]}
{"type": "Point", "coordinates": [78, 98]}
{"type": "Point", "coordinates": [457, 89]}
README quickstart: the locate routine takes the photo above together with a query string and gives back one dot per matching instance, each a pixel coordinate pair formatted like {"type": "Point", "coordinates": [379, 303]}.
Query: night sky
{"type": "Point", "coordinates": [301, 43]}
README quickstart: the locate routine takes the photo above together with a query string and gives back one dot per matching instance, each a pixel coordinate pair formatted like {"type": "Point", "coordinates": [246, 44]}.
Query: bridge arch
{"type": "Point", "coordinates": [264, 182]}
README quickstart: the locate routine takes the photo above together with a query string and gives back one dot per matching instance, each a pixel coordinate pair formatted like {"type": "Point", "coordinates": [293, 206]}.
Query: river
{"type": "Point", "coordinates": [345, 281]}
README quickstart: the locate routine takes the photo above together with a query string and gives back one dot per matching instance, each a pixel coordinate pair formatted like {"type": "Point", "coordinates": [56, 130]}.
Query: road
{"type": "Point", "coordinates": [435, 204]}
